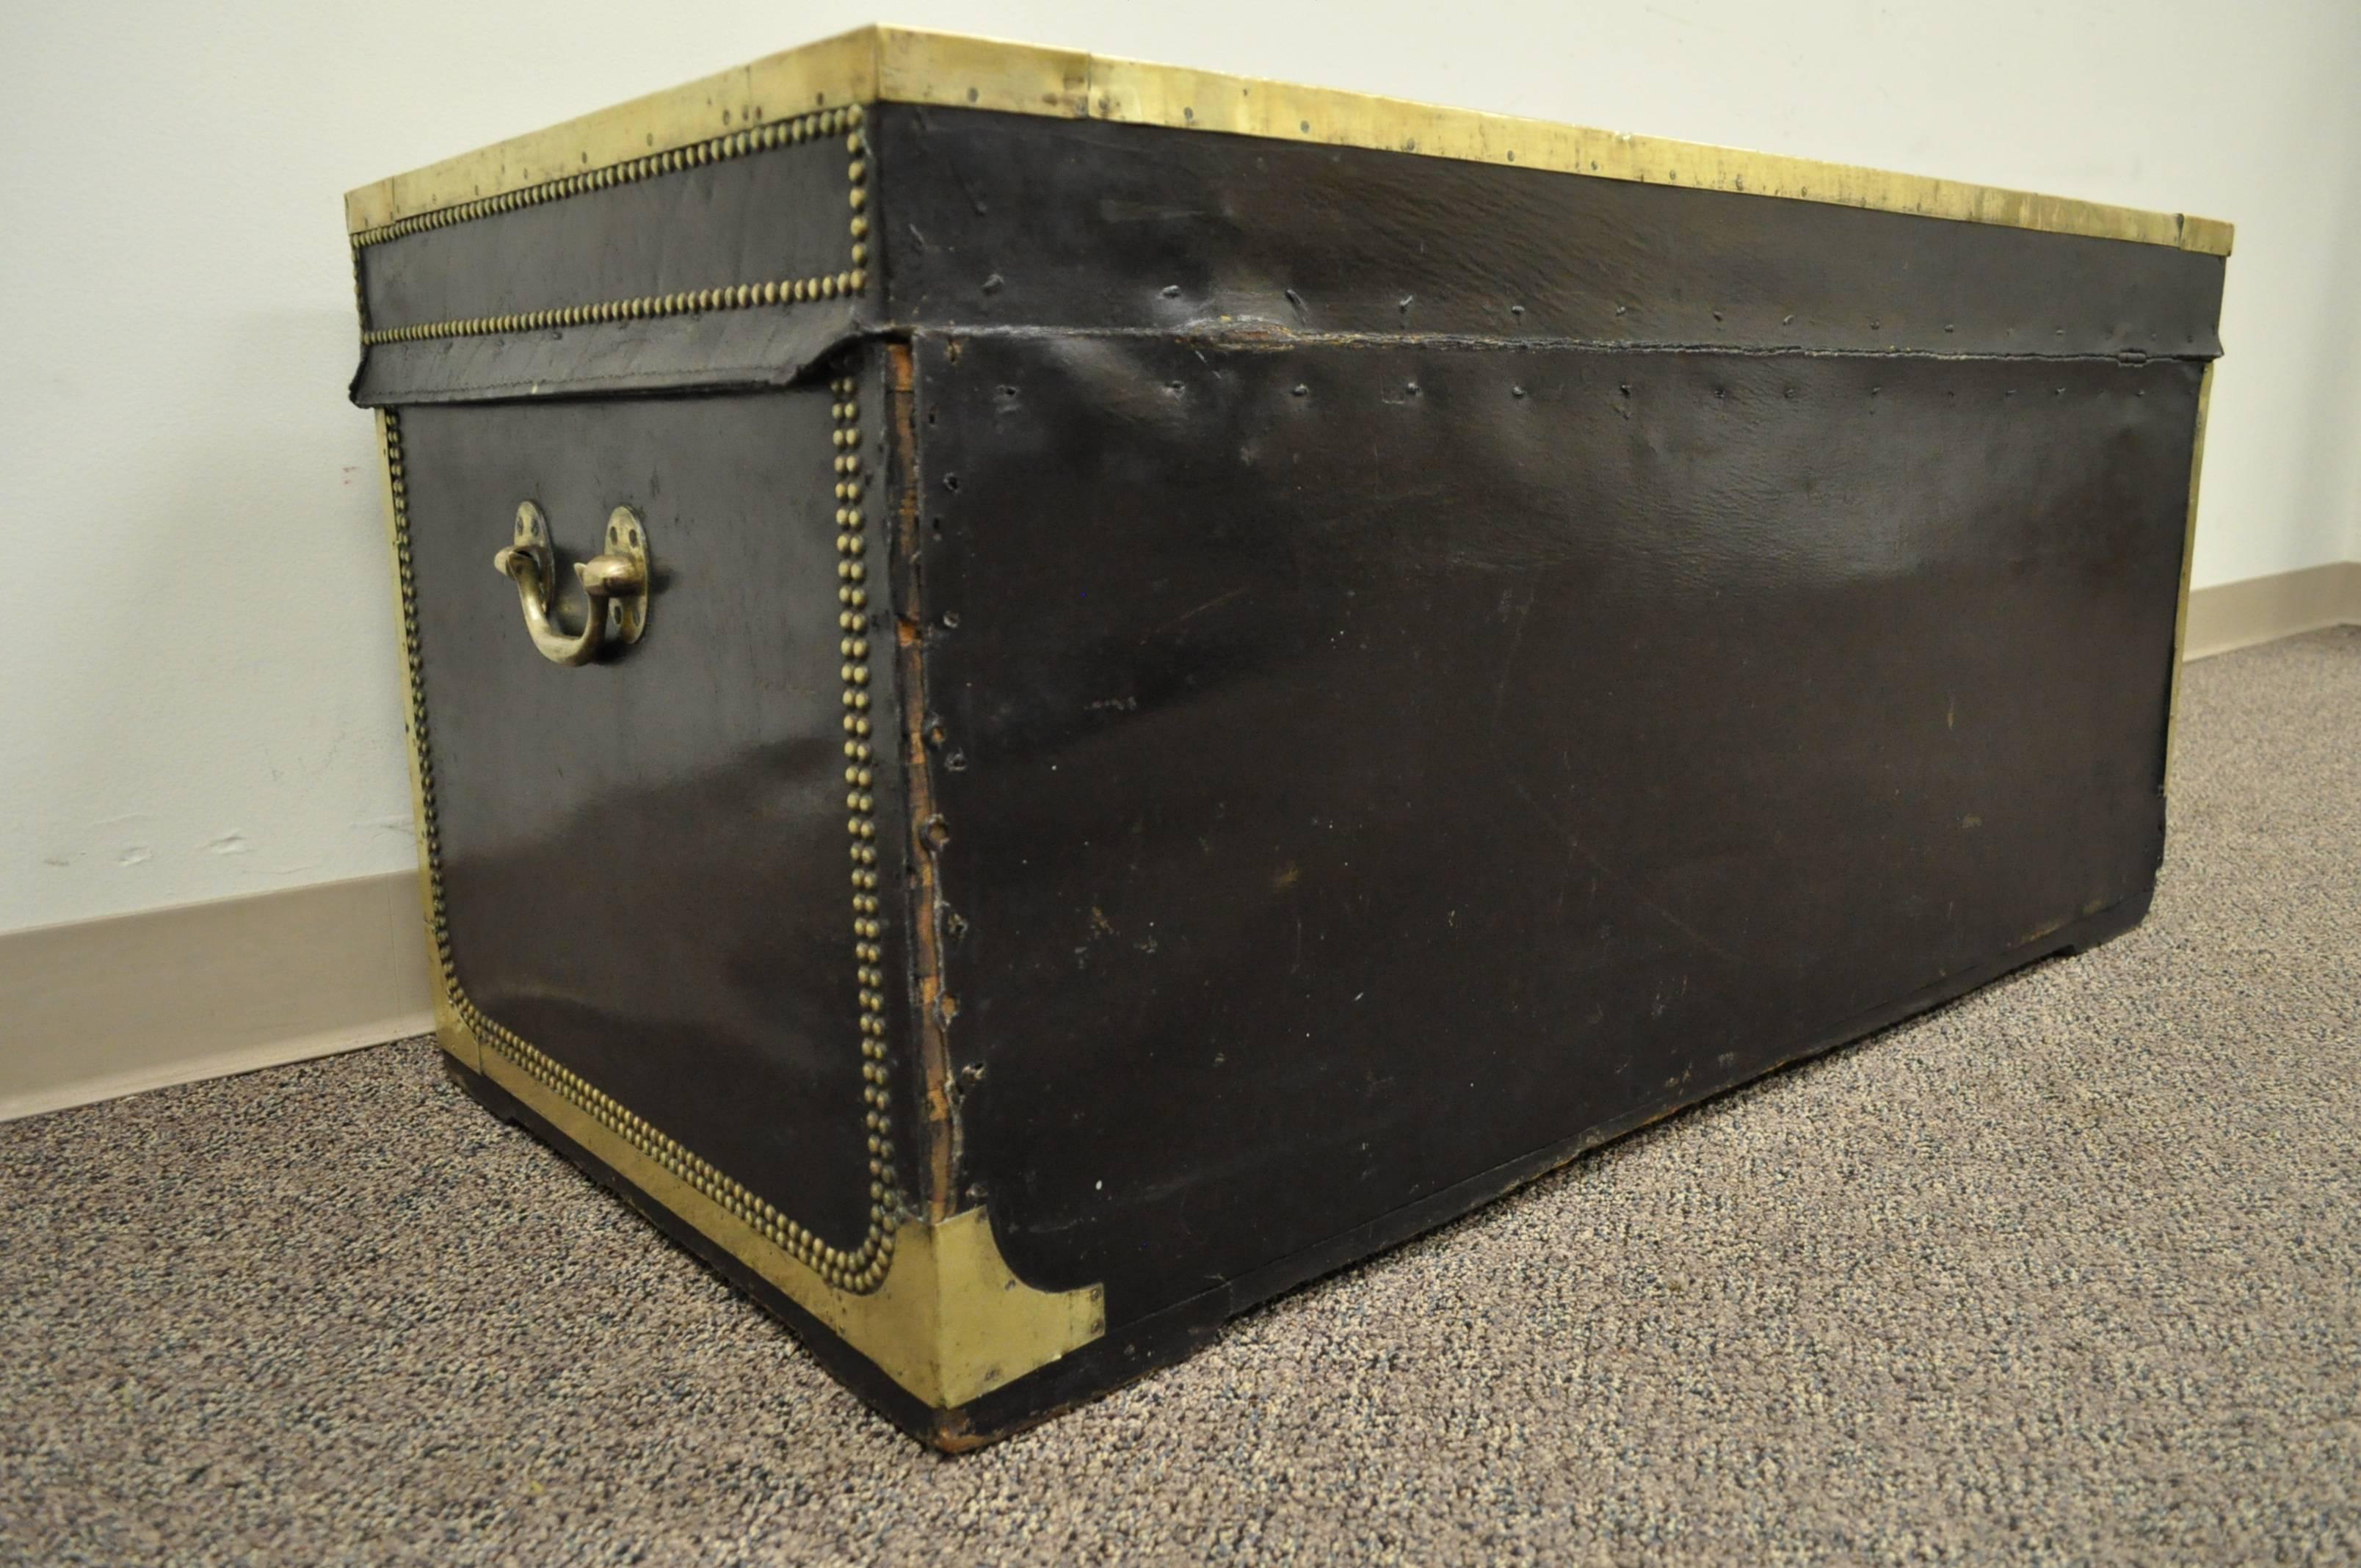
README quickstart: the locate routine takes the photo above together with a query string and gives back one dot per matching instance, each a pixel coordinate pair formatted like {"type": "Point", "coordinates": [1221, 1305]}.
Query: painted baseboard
{"type": "Point", "coordinates": [102, 1008]}
{"type": "Point", "coordinates": [2262, 610]}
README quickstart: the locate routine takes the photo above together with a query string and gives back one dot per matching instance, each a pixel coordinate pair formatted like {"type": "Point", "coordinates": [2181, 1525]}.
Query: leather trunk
{"type": "Point", "coordinates": [1225, 678]}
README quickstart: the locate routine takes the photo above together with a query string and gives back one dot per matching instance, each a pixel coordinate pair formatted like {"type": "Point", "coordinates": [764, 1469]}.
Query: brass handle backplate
{"type": "Point", "coordinates": [617, 583]}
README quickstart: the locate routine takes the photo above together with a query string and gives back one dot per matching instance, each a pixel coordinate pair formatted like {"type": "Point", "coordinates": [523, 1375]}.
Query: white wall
{"type": "Point", "coordinates": [197, 645]}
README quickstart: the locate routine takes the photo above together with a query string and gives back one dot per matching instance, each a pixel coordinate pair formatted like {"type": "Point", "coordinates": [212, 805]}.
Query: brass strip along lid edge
{"type": "Point", "coordinates": [898, 65]}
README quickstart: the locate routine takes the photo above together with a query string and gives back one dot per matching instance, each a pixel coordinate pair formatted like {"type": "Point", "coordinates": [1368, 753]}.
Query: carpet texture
{"type": "Point", "coordinates": [2068, 1271]}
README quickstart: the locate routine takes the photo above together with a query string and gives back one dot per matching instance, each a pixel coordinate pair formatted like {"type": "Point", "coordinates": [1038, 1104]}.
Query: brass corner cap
{"type": "Point", "coordinates": [950, 1321]}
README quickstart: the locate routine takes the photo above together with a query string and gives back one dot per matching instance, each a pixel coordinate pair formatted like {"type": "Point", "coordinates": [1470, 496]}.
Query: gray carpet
{"type": "Point", "coordinates": [2070, 1271]}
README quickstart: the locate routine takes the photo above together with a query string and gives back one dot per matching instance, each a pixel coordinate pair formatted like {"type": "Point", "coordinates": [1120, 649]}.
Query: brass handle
{"type": "Point", "coordinates": [617, 583]}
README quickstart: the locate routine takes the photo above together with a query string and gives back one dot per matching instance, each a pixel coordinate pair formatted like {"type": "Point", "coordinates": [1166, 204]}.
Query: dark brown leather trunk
{"type": "Point", "coordinates": [1385, 673]}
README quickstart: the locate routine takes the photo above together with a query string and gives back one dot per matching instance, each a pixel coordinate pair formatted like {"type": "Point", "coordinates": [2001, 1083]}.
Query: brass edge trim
{"type": "Point", "coordinates": [829, 74]}
{"type": "Point", "coordinates": [863, 1268]}
{"type": "Point", "coordinates": [715, 149]}
{"type": "Point", "coordinates": [907, 66]}
{"type": "Point", "coordinates": [950, 1323]}
{"type": "Point", "coordinates": [742, 296]}
{"type": "Point", "coordinates": [2188, 565]}
{"type": "Point", "coordinates": [1130, 93]}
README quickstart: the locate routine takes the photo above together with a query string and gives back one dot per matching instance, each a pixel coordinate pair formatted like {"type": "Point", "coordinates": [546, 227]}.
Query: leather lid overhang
{"type": "Point", "coordinates": [750, 217]}
{"type": "Point", "coordinates": [758, 346]}
{"type": "Point", "coordinates": [1000, 220]}
{"type": "Point", "coordinates": [1038, 223]}
{"type": "Point", "coordinates": [739, 263]}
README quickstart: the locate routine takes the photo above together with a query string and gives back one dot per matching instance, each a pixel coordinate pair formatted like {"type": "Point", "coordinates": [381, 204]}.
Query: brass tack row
{"type": "Point", "coordinates": [360, 297]}
{"type": "Point", "coordinates": [742, 297]}
{"type": "Point", "coordinates": [862, 1270]}
{"type": "Point", "coordinates": [717, 149]}
{"type": "Point", "coordinates": [738, 297]}
{"type": "Point", "coordinates": [860, 800]}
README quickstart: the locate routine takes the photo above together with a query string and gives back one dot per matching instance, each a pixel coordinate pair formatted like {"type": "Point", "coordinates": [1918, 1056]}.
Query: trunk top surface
{"type": "Point", "coordinates": [896, 65]}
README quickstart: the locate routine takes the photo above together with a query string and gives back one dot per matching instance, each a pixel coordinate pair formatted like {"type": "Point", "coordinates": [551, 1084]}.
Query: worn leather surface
{"type": "Point", "coordinates": [644, 859]}
{"type": "Point", "coordinates": [1364, 765]}
{"type": "Point", "coordinates": [1017, 220]}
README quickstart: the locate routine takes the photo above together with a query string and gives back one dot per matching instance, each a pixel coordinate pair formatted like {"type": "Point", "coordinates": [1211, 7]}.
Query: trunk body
{"type": "Point", "coordinates": [1210, 702]}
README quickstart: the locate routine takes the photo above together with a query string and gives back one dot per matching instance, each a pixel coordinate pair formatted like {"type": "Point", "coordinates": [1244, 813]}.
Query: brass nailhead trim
{"type": "Point", "coordinates": [740, 296]}
{"type": "Point", "coordinates": [360, 299]}
{"type": "Point", "coordinates": [860, 1270]}
{"type": "Point", "coordinates": [860, 781]}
